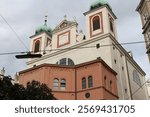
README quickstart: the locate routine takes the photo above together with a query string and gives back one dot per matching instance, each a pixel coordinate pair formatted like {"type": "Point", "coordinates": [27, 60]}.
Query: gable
{"type": "Point", "coordinates": [65, 24]}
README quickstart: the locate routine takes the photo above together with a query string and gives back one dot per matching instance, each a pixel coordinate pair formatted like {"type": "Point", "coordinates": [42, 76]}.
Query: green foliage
{"type": "Point", "coordinates": [33, 91]}
{"type": "Point", "coordinates": [37, 91]}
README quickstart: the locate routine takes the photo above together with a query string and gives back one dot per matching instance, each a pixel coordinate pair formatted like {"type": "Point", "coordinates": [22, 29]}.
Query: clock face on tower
{"type": "Point", "coordinates": [63, 39]}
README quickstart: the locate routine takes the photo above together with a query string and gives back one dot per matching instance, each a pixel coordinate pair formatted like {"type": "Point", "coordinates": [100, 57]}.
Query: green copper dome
{"type": "Point", "coordinates": [43, 28]}
{"type": "Point", "coordinates": [99, 3]}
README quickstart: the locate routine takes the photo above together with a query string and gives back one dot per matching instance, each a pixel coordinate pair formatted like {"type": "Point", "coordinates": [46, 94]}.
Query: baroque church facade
{"type": "Point", "coordinates": [79, 66]}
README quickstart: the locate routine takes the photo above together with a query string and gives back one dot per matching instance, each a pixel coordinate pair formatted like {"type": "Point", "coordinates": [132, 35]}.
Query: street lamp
{"type": "Point", "coordinates": [28, 55]}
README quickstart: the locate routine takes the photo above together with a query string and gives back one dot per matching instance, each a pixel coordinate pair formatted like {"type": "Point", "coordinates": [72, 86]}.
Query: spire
{"type": "Point", "coordinates": [46, 15]}
{"type": "Point", "coordinates": [65, 17]}
{"type": "Point", "coordinates": [44, 28]}
{"type": "Point", "coordinates": [3, 71]}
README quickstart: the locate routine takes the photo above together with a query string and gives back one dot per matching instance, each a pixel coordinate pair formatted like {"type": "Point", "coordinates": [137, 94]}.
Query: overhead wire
{"type": "Point", "coordinates": [12, 53]}
{"type": "Point", "coordinates": [13, 30]}
{"type": "Point", "coordinates": [137, 90]}
{"type": "Point", "coordinates": [71, 48]}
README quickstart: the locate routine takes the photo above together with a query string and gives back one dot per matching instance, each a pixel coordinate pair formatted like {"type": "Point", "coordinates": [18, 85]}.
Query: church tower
{"type": "Point", "coordinates": [144, 11]}
{"type": "Point", "coordinates": [100, 20]}
{"type": "Point", "coordinates": [41, 39]}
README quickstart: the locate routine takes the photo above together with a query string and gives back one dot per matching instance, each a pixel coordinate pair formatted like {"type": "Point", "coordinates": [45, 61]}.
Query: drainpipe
{"type": "Point", "coordinates": [75, 84]}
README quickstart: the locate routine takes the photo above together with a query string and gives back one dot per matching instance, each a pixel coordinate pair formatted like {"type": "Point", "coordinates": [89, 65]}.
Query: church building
{"type": "Point", "coordinates": [85, 66]}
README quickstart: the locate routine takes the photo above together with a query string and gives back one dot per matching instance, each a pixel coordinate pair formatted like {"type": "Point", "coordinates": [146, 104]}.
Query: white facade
{"type": "Point", "coordinates": [66, 42]}
{"type": "Point", "coordinates": [148, 87]}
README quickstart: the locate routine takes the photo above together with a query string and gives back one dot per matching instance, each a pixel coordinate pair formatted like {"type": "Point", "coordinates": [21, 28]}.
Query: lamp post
{"type": "Point", "coordinates": [28, 55]}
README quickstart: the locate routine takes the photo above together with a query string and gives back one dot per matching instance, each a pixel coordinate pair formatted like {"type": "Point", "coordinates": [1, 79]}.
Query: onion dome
{"type": "Point", "coordinates": [99, 3]}
{"type": "Point", "coordinates": [43, 28]}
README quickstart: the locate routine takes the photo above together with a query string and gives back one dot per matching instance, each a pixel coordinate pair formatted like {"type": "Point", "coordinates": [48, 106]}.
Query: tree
{"type": "Point", "coordinates": [33, 91]}
{"type": "Point", "coordinates": [5, 86]}
{"type": "Point", "coordinates": [37, 91]}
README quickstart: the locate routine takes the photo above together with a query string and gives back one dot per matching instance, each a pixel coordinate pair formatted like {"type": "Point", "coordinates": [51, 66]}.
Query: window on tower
{"type": "Point", "coordinates": [96, 23]}
{"type": "Point", "coordinates": [37, 46]}
{"type": "Point", "coordinates": [111, 23]}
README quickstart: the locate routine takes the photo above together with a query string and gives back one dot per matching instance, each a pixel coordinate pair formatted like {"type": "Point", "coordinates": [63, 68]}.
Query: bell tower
{"type": "Point", "coordinates": [100, 20]}
{"type": "Point", "coordinates": [42, 38]}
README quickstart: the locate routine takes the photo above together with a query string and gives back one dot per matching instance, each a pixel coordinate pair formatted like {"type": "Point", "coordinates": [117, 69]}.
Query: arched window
{"type": "Point", "coordinates": [55, 83]}
{"type": "Point", "coordinates": [136, 78]}
{"type": "Point", "coordinates": [96, 23]}
{"type": "Point", "coordinates": [111, 25]}
{"type": "Point", "coordinates": [63, 84]}
{"type": "Point", "coordinates": [70, 62]}
{"type": "Point", "coordinates": [90, 81]}
{"type": "Point", "coordinates": [65, 61]}
{"type": "Point", "coordinates": [37, 46]}
{"type": "Point", "coordinates": [83, 83]}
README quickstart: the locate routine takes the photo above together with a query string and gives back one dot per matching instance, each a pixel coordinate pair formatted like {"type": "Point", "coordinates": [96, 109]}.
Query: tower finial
{"type": "Point", "coordinates": [65, 17]}
{"type": "Point", "coordinates": [46, 15]}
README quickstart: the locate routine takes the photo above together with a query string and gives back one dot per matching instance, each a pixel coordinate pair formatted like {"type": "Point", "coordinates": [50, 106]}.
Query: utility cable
{"type": "Point", "coordinates": [13, 53]}
{"type": "Point", "coordinates": [71, 48]}
{"type": "Point", "coordinates": [137, 89]}
{"type": "Point", "coordinates": [14, 32]}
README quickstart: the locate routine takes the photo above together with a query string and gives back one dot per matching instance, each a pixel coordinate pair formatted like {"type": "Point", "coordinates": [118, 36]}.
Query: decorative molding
{"type": "Point", "coordinates": [69, 24]}
{"type": "Point", "coordinates": [59, 39]}
{"type": "Point", "coordinates": [99, 31]}
{"type": "Point", "coordinates": [33, 45]}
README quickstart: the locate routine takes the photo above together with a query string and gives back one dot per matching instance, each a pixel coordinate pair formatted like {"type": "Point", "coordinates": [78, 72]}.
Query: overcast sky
{"type": "Point", "coordinates": [26, 15]}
